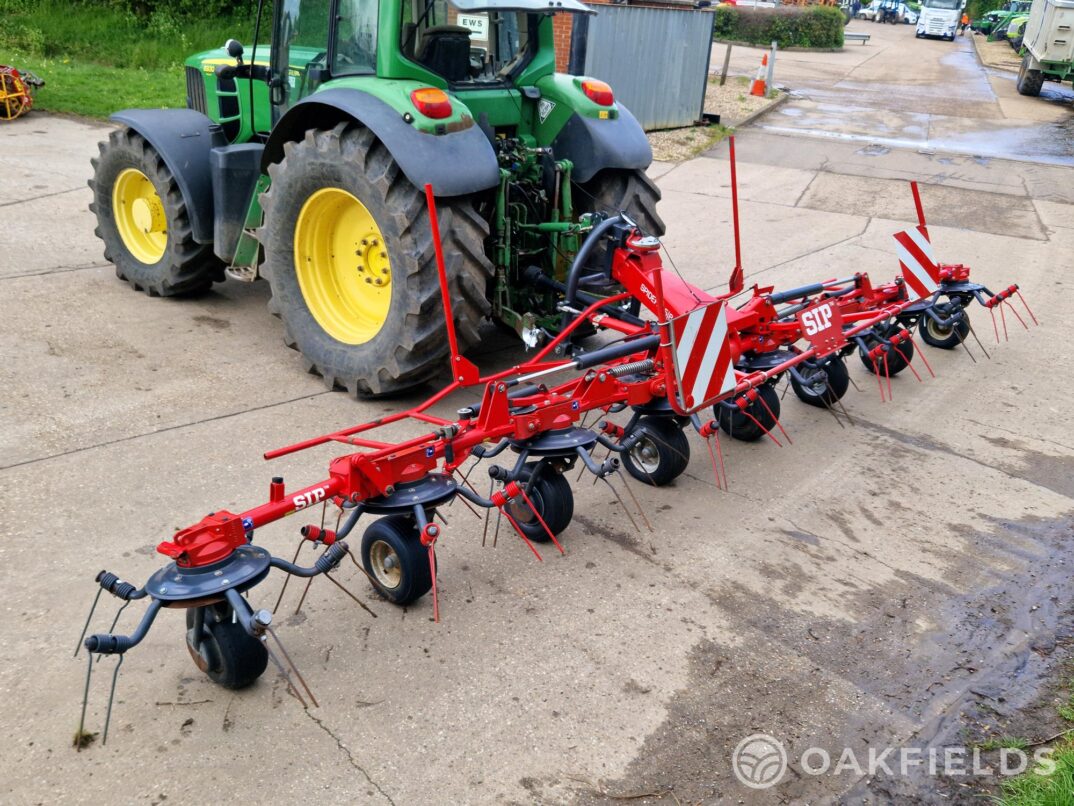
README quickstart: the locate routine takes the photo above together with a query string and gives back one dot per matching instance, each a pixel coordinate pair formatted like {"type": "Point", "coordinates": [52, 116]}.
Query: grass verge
{"type": "Point", "coordinates": [96, 60]}
{"type": "Point", "coordinates": [1057, 788]}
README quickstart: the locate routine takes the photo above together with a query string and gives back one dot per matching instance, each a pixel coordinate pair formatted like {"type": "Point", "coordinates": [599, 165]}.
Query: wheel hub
{"type": "Point", "coordinates": [342, 266]}
{"type": "Point", "coordinates": [386, 566]}
{"type": "Point", "coordinates": [139, 216]}
{"type": "Point", "coordinates": [646, 455]}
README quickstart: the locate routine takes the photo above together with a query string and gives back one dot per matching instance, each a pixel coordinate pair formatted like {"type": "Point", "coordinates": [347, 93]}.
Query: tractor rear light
{"type": "Point", "coordinates": [598, 92]}
{"type": "Point", "coordinates": [431, 102]}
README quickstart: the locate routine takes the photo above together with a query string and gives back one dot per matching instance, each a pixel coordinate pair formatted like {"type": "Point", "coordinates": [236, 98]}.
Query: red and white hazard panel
{"type": "Point", "coordinates": [916, 260]}
{"type": "Point", "coordinates": [702, 353]}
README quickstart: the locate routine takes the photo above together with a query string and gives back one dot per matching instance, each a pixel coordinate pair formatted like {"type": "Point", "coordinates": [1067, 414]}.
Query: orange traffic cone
{"type": "Point", "coordinates": [758, 86]}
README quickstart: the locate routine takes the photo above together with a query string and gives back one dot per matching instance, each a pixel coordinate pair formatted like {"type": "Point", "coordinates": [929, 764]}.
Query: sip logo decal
{"type": "Point", "coordinates": [544, 109]}
{"type": "Point", "coordinates": [303, 500]}
{"type": "Point", "coordinates": [822, 326]}
{"type": "Point", "coordinates": [816, 320]}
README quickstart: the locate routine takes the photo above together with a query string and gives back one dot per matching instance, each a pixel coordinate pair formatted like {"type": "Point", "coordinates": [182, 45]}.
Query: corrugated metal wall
{"type": "Point", "coordinates": [656, 60]}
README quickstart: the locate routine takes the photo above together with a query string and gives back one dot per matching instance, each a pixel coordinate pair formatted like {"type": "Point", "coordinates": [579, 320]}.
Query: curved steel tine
{"type": "Point", "coordinates": [287, 578]}
{"type": "Point", "coordinates": [357, 601]}
{"type": "Point", "coordinates": [85, 627]}
{"type": "Point", "coordinates": [637, 505]}
{"type": "Point", "coordinates": [620, 500]}
{"type": "Point", "coordinates": [291, 663]}
{"type": "Point", "coordinates": [111, 699]}
{"type": "Point", "coordinates": [85, 699]}
{"type": "Point", "coordinates": [286, 675]}
{"type": "Point", "coordinates": [115, 621]}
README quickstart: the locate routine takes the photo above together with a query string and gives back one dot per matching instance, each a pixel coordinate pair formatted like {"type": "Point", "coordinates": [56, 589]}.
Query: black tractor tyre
{"type": "Point", "coordinates": [551, 495]}
{"type": "Point", "coordinates": [838, 381]}
{"type": "Point", "coordinates": [234, 658]}
{"type": "Point", "coordinates": [1029, 81]}
{"type": "Point", "coordinates": [615, 190]}
{"type": "Point", "coordinates": [411, 344]}
{"type": "Point", "coordinates": [751, 426]}
{"type": "Point", "coordinates": [898, 359]}
{"type": "Point", "coordinates": [662, 453]}
{"type": "Point", "coordinates": [185, 267]}
{"type": "Point", "coordinates": [395, 559]}
{"type": "Point", "coordinates": [946, 338]}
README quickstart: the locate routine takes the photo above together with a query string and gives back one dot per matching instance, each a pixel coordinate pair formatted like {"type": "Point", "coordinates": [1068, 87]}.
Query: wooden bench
{"type": "Point", "coordinates": [853, 37]}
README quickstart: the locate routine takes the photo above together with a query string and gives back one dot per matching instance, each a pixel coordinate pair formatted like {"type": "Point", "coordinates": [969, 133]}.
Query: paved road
{"type": "Point", "coordinates": [922, 94]}
{"type": "Point", "coordinates": [869, 585]}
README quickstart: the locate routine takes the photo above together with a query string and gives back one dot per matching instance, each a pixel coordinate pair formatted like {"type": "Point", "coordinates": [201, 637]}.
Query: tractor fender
{"type": "Point", "coordinates": [183, 138]}
{"type": "Point", "coordinates": [593, 145]}
{"type": "Point", "coordinates": [455, 164]}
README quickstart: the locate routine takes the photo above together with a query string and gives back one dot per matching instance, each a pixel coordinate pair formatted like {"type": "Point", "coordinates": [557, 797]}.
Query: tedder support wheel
{"type": "Point", "coordinates": [143, 220]}
{"type": "Point", "coordinates": [349, 256]}
{"type": "Point", "coordinates": [1029, 82]}
{"type": "Point", "coordinates": [551, 495]}
{"type": "Point", "coordinates": [750, 425]}
{"type": "Point", "coordinates": [830, 387]}
{"type": "Point", "coordinates": [662, 453]}
{"type": "Point", "coordinates": [898, 360]}
{"type": "Point", "coordinates": [395, 559]}
{"type": "Point", "coordinates": [946, 338]}
{"type": "Point", "coordinates": [229, 655]}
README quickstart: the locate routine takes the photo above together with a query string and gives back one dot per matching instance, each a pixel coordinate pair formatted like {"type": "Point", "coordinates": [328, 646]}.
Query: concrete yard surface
{"type": "Point", "coordinates": [899, 579]}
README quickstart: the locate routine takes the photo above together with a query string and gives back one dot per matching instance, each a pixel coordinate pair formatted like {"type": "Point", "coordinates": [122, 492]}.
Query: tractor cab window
{"type": "Point", "coordinates": [299, 49]}
{"type": "Point", "coordinates": [465, 47]}
{"type": "Point", "coordinates": [356, 38]}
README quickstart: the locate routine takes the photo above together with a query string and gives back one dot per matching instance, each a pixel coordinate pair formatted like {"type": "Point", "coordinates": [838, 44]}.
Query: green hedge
{"type": "Point", "coordinates": [808, 27]}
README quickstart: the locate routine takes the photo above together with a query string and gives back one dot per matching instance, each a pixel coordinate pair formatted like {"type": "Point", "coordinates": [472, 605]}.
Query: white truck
{"type": "Point", "coordinates": [940, 18]}
{"type": "Point", "coordinates": [1048, 45]}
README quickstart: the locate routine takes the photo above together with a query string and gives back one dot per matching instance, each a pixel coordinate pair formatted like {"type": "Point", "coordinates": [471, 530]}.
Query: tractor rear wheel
{"type": "Point", "coordinates": [615, 190]}
{"type": "Point", "coordinates": [143, 220]}
{"type": "Point", "coordinates": [1029, 81]}
{"type": "Point", "coordinates": [350, 258]}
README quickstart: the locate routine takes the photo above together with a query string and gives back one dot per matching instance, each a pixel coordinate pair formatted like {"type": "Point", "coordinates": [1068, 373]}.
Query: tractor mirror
{"type": "Point", "coordinates": [234, 49]}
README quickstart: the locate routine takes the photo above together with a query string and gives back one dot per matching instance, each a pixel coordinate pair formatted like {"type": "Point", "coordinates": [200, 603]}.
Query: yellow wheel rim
{"type": "Point", "coordinates": [139, 215]}
{"type": "Point", "coordinates": [342, 265]}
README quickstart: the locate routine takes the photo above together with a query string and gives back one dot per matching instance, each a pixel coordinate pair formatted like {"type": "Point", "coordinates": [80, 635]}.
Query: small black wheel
{"type": "Point", "coordinates": [831, 381]}
{"type": "Point", "coordinates": [229, 655]}
{"type": "Point", "coordinates": [946, 338]}
{"type": "Point", "coordinates": [662, 453]}
{"type": "Point", "coordinates": [750, 425]}
{"type": "Point", "coordinates": [397, 562]}
{"type": "Point", "coordinates": [551, 494]}
{"type": "Point", "coordinates": [898, 359]}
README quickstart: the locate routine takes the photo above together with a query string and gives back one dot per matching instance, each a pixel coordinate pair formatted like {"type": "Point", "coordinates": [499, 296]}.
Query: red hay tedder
{"type": "Point", "coordinates": [693, 354]}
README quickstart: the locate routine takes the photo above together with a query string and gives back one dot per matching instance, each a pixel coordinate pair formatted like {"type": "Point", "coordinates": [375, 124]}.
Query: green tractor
{"type": "Point", "coordinates": [305, 164]}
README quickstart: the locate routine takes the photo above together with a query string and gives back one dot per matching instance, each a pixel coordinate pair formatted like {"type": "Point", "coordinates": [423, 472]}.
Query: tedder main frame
{"type": "Point", "coordinates": [690, 351]}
